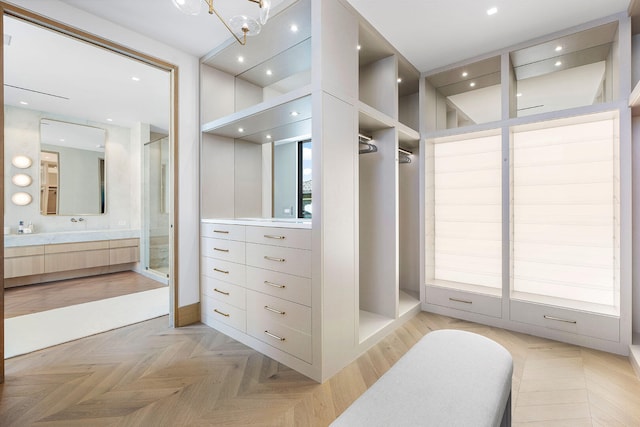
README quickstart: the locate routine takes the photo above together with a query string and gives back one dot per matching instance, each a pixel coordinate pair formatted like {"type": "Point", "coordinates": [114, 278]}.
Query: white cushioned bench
{"type": "Point", "coordinates": [449, 378]}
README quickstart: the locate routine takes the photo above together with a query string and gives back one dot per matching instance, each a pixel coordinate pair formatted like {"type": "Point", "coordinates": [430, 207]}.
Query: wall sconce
{"type": "Point", "coordinates": [21, 198]}
{"type": "Point", "coordinates": [21, 161]}
{"type": "Point", "coordinates": [22, 180]}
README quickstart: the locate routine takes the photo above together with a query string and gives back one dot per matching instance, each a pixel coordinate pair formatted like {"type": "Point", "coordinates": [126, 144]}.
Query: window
{"type": "Point", "coordinates": [468, 212]}
{"type": "Point", "coordinates": [566, 213]}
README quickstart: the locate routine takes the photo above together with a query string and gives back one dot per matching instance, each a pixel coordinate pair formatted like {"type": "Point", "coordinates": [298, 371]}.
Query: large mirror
{"type": "Point", "coordinates": [72, 169]}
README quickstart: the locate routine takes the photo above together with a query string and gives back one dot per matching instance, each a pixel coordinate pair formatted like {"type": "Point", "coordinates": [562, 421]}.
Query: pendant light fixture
{"type": "Point", "coordinates": [239, 26]}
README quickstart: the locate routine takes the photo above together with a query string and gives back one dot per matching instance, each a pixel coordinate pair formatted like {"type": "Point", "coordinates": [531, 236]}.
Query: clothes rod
{"type": "Point", "coordinates": [407, 152]}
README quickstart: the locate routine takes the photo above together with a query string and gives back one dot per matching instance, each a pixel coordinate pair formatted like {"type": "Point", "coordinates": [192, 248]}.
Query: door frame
{"type": "Point", "coordinates": [43, 21]}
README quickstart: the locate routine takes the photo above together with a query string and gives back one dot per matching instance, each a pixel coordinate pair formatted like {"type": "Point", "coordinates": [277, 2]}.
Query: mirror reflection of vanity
{"type": "Point", "coordinates": [72, 169]}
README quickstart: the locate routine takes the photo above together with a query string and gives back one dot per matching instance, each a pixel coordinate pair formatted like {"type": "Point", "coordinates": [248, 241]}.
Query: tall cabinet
{"type": "Point", "coordinates": [299, 80]}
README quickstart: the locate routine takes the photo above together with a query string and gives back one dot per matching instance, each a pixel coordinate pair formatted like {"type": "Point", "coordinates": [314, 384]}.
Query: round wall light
{"type": "Point", "coordinates": [21, 180]}
{"type": "Point", "coordinates": [21, 161]}
{"type": "Point", "coordinates": [21, 198]}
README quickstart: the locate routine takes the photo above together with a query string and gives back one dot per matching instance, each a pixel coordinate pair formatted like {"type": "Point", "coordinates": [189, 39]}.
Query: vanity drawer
{"type": "Point", "coordinates": [223, 231]}
{"type": "Point", "coordinates": [286, 237]}
{"type": "Point", "coordinates": [226, 250]}
{"type": "Point", "coordinates": [284, 260]}
{"type": "Point", "coordinates": [265, 308]}
{"type": "Point", "coordinates": [225, 292]}
{"type": "Point", "coordinates": [23, 266]}
{"type": "Point", "coordinates": [224, 313]}
{"type": "Point", "coordinates": [465, 301]}
{"type": "Point", "coordinates": [224, 270]}
{"type": "Point", "coordinates": [296, 343]}
{"type": "Point", "coordinates": [567, 320]}
{"type": "Point", "coordinates": [281, 285]}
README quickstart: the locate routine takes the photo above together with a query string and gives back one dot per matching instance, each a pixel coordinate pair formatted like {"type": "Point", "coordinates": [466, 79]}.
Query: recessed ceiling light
{"type": "Point", "coordinates": [399, 79]}
{"type": "Point", "coordinates": [109, 120]}
{"type": "Point", "coordinates": [61, 139]}
{"type": "Point", "coordinates": [24, 103]}
{"type": "Point", "coordinates": [294, 113]}
{"type": "Point", "coordinates": [269, 72]}
{"type": "Point", "coordinates": [135, 79]}
{"type": "Point", "coordinates": [558, 48]}
{"type": "Point", "coordinates": [558, 63]}
{"type": "Point", "coordinates": [240, 58]}
{"type": "Point", "coordinates": [519, 94]}
{"type": "Point", "coordinates": [268, 136]}
{"type": "Point", "coordinates": [359, 47]}
{"type": "Point", "coordinates": [492, 11]}
{"type": "Point", "coordinates": [294, 28]}
{"type": "Point", "coordinates": [472, 84]}
{"type": "Point", "coordinates": [465, 74]}
{"type": "Point", "coordinates": [240, 130]}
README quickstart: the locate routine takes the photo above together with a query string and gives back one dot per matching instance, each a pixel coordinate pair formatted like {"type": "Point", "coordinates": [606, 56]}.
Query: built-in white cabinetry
{"type": "Point", "coordinates": [313, 294]}
{"type": "Point", "coordinates": [526, 182]}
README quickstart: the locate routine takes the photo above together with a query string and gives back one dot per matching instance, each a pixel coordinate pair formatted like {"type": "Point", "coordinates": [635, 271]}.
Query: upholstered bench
{"type": "Point", "coordinates": [449, 378]}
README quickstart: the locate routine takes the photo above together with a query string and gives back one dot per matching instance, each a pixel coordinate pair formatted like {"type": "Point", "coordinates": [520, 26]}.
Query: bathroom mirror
{"type": "Point", "coordinates": [72, 169]}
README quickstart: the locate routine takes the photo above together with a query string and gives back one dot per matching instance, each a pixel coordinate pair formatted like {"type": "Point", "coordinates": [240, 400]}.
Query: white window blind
{"type": "Point", "coordinates": [467, 212]}
{"type": "Point", "coordinates": [565, 212]}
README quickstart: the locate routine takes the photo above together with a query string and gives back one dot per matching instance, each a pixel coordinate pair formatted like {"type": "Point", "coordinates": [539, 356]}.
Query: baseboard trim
{"type": "Point", "coordinates": [188, 315]}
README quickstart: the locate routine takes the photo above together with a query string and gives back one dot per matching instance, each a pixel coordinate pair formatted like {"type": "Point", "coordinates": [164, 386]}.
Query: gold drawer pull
{"type": "Point", "coordinates": [275, 285]}
{"type": "Point", "coordinates": [559, 319]}
{"type": "Point", "coordinates": [221, 313]}
{"type": "Point", "coordinates": [460, 300]}
{"type": "Point", "coordinates": [220, 271]}
{"type": "Point", "coordinates": [273, 310]}
{"type": "Point", "coordinates": [221, 292]}
{"type": "Point", "coordinates": [221, 231]}
{"type": "Point", "coordinates": [270, 258]}
{"type": "Point", "coordinates": [272, 236]}
{"type": "Point", "coordinates": [274, 336]}
{"type": "Point", "coordinates": [221, 250]}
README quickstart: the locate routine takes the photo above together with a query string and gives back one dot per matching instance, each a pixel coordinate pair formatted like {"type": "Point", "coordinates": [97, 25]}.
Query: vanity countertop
{"type": "Point", "coordinates": [15, 240]}
{"type": "Point", "coordinates": [263, 222]}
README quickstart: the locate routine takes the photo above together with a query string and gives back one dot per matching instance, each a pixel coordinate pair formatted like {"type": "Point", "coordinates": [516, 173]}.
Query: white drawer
{"type": "Point", "coordinates": [289, 340]}
{"type": "Point", "coordinates": [282, 285]}
{"type": "Point", "coordinates": [287, 237]}
{"type": "Point", "coordinates": [564, 319]}
{"type": "Point", "coordinates": [223, 313]}
{"type": "Point", "coordinates": [225, 292]}
{"type": "Point", "coordinates": [284, 260]}
{"type": "Point", "coordinates": [224, 270]}
{"type": "Point", "coordinates": [223, 231]}
{"type": "Point", "coordinates": [226, 250]}
{"type": "Point", "coordinates": [466, 301]}
{"type": "Point", "coordinates": [261, 307]}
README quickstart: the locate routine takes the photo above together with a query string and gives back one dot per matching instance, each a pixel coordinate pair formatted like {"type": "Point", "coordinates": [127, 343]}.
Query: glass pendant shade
{"type": "Point", "coordinates": [265, 8]}
{"type": "Point", "coordinates": [241, 22]}
{"type": "Point", "coordinates": [21, 199]}
{"type": "Point", "coordinates": [189, 7]}
{"type": "Point", "coordinates": [21, 180]}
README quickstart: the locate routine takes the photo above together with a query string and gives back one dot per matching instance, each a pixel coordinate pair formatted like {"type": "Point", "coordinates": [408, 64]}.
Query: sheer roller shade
{"type": "Point", "coordinates": [565, 212]}
{"type": "Point", "coordinates": [467, 212]}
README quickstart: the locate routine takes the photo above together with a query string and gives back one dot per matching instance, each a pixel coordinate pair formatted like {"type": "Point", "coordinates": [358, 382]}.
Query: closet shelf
{"type": "Point", "coordinates": [373, 120]}
{"type": "Point", "coordinates": [261, 117]}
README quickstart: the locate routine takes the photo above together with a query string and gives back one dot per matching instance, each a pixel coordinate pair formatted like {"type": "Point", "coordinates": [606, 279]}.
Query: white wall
{"type": "Point", "coordinates": [22, 136]}
{"type": "Point", "coordinates": [187, 202]}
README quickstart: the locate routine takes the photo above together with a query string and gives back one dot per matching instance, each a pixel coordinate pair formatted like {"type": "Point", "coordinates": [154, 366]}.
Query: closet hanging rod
{"type": "Point", "coordinates": [364, 138]}
{"type": "Point", "coordinates": [404, 151]}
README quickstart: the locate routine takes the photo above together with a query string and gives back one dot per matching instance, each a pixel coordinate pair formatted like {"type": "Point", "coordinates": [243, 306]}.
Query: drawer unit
{"type": "Point", "coordinates": [286, 237]}
{"type": "Point", "coordinates": [466, 301]}
{"type": "Point", "coordinates": [284, 260]}
{"type": "Point", "coordinates": [281, 285]}
{"type": "Point", "coordinates": [567, 320]}
{"type": "Point", "coordinates": [226, 250]}
{"type": "Point", "coordinates": [224, 270]}
{"type": "Point", "coordinates": [225, 313]}
{"type": "Point", "coordinates": [225, 292]}
{"type": "Point", "coordinates": [223, 231]}
{"type": "Point", "coordinates": [263, 308]}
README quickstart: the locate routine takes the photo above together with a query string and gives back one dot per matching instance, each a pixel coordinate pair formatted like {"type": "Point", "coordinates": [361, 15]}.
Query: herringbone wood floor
{"type": "Point", "coordinates": [150, 375]}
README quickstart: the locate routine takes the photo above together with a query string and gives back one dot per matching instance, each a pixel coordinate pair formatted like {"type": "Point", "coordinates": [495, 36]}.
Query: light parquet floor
{"type": "Point", "coordinates": [150, 375]}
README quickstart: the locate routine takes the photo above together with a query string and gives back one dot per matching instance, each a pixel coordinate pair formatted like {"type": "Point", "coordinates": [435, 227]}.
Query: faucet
{"type": "Point", "coordinates": [77, 220]}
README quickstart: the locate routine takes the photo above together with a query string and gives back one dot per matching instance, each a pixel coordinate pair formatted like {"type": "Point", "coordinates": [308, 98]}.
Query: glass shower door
{"type": "Point", "coordinates": [156, 207]}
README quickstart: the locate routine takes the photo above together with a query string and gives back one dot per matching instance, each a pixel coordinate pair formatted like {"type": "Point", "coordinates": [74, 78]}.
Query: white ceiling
{"type": "Point", "coordinates": [429, 33]}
